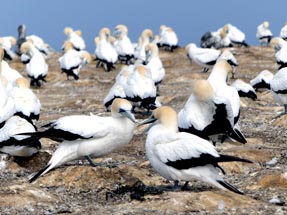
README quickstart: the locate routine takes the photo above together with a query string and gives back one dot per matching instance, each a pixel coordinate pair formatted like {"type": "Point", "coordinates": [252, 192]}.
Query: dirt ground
{"type": "Point", "coordinates": [133, 187]}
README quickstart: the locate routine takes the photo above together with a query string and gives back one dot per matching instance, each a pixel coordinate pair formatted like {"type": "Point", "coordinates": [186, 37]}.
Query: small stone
{"type": "Point", "coordinates": [272, 162]}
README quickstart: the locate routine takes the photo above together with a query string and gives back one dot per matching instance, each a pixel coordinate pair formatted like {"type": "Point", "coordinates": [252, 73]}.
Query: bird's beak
{"type": "Point", "coordinates": [116, 32]}
{"type": "Point", "coordinates": [129, 115]}
{"type": "Point", "coordinates": [151, 119]}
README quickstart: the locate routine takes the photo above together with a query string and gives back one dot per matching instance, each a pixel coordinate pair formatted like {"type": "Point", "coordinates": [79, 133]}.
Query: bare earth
{"type": "Point", "coordinates": [132, 187]}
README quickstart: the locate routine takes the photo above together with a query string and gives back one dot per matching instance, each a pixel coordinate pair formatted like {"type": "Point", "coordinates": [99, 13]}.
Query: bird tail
{"type": "Point", "coordinates": [229, 187]}
{"type": "Point", "coordinates": [230, 158]}
{"type": "Point", "coordinates": [36, 175]}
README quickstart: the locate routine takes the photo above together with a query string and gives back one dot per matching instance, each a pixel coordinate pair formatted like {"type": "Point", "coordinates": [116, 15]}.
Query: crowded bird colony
{"type": "Point", "coordinates": [180, 146]}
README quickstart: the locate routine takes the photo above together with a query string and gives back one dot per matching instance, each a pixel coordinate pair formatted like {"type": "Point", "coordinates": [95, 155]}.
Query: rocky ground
{"type": "Point", "coordinates": [132, 187]}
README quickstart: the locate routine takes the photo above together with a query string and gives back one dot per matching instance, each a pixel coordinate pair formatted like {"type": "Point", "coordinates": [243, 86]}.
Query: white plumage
{"type": "Point", "coordinates": [262, 80]}
{"type": "Point", "coordinates": [154, 64]}
{"type": "Point", "coordinates": [7, 44]}
{"type": "Point", "coordinates": [18, 145]}
{"type": "Point", "coordinates": [235, 35]}
{"type": "Point", "coordinates": [181, 156]}
{"type": "Point", "coordinates": [283, 32]}
{"type": "Point", "coordinates": [105, 52]}
{"type": "Point", "coordinates": [141, 88]}
{"type": "Point", "coordinates": [263, 33]}
{"type": "Point", "coordinates": [167, 38]}
{"type": "Point", "coordinates": [123, 44]}
{"type": "Point", "coordinates": [217, 79]}
{"type": "Point", "coordinates": [118, 89]}
{"type": "Point", "coordinates": [73, 61]}
{"type": "Point", "coordinates": [75, 37]}
{"type": "Point", "coordinates": [145, 38]}
{"type": "Point", "coordinates": [278, 87]}
{"type": "Point", "coordinates": [27, 105]}
{"type": "Point", "coordinates": [207, 115]}
{"type": "Point", "coordinates": [85, 136]}
{"type": "Point", "coordinates": [244, 89]}
{"type": "Point", "coordinates": [37, 68]}
{"type": "Point", "coordinates": [205, 57]}
{"type": "Point", "coordinates": [7, 107]}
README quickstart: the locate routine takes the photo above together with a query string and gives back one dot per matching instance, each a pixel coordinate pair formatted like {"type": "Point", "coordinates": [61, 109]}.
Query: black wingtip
{"type": "Point", "coordinates": [38, 174]}
{"type": "Point", "coordinates": [230, 187]}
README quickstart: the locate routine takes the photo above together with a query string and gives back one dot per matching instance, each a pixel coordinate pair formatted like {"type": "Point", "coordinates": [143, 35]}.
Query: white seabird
{"type": "Point", "coordinates": [145, 38]}
{"type": "Point", "coordinates": [105, 52]}
{"type": "Point", "coordinates": [27, 105]}
{"type": "Point", "coordinates": [73, 61]}
{"type": "Point", "coordinates": [217, 79]}
{"type": "Point", "coordinates": [180, 156]}
{"type": "Point", "coordinates": [7, 106]}
{"type": "Point", "coordinates": [154, 64]}
{"type": "Point", "coordinates": [123, 44]}
{"type": "Point", "coordinates": [82, 136]}
{"type": "Point", "coordinates": [118, 89]}
{"type": "Point", "coordinates": [262, 80]}
{"type": "Point", "coordinates": [7, 43]}
{"type": "Point", "coordinates": [244, 89]}
{"type": "Point", "coordinates": [205, 57]}
{"type": "Point", "coordinates": [280, 46]}
{"type": "Point", "coordinates": [264, 34]}
{"type": "Point", "coordinates": [37, 68]}
{"type": "Point", "coordinates": [207, 115]}
{"type": "Point", "coordinates": [167, 38]}
{"type": "Point", "coordinates": [75, 37]}
{"type": "Point", "coordinates": [278, 87]}
{"type": "Point", "coordinates": [18, 145]}
{"type": "Point", "coordinates": [235, 35]}
{"type": "Point", "coordinates": [140, 88]}
{"type": "Point", "coordinates": [283, 32]}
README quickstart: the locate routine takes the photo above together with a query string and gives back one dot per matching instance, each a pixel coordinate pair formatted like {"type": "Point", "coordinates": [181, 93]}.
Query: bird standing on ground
{"type": "Point", "coordinates": [154, 64]}
{"type": "Point", "coordinates": [145, 38]}
{"type": "Point", "coordinates": [278, 87]}
{"type": "Point", "coordinates": [218, 80]}
{"type": "Point", "coordinates": [123, 44]}
{"type": "Point", "coordinates": [82, 136]}
{"type": "Point", "coordinates": [27, 105]}
{"type": "Point", "coordinates": [37, 68]}
{"type": "Point", "coordinates": [167, 38]}
{"type": "Point", "coordinates": [73, 61]}
{"type": "Point", "coordinates": [205, 57]}
{"type": "Point", "coordinates": [75, 37]}
{"type": "Point", "coordinates": [105, 52]}
{"type": "Point", "coordinates": [207, 115]}
{"type": "Point", "coordinates": [180, 156]}
{"type": "Point", "coordinates": [264, 34]}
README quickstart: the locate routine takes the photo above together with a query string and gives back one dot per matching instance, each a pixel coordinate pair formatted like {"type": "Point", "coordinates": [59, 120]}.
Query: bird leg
{"type": "Point", "coordinates": [185, 186]}
{"type": "Point", "coordinates": [205, 69]}
{"type": "Point", "coordinates": [91, 162]}
{"type": "Point", "coordinates": [176, 185]}
{"type": "Point", "coordinates": [282, 113]}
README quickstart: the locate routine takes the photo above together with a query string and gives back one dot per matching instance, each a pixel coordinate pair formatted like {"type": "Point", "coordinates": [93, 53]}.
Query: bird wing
{"type": "Point", "coordinates": [207, 55]}
{"type": "Point", "coordinates": [185, 151]}
{"type": "Point", "coordinates": [83, 125]}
